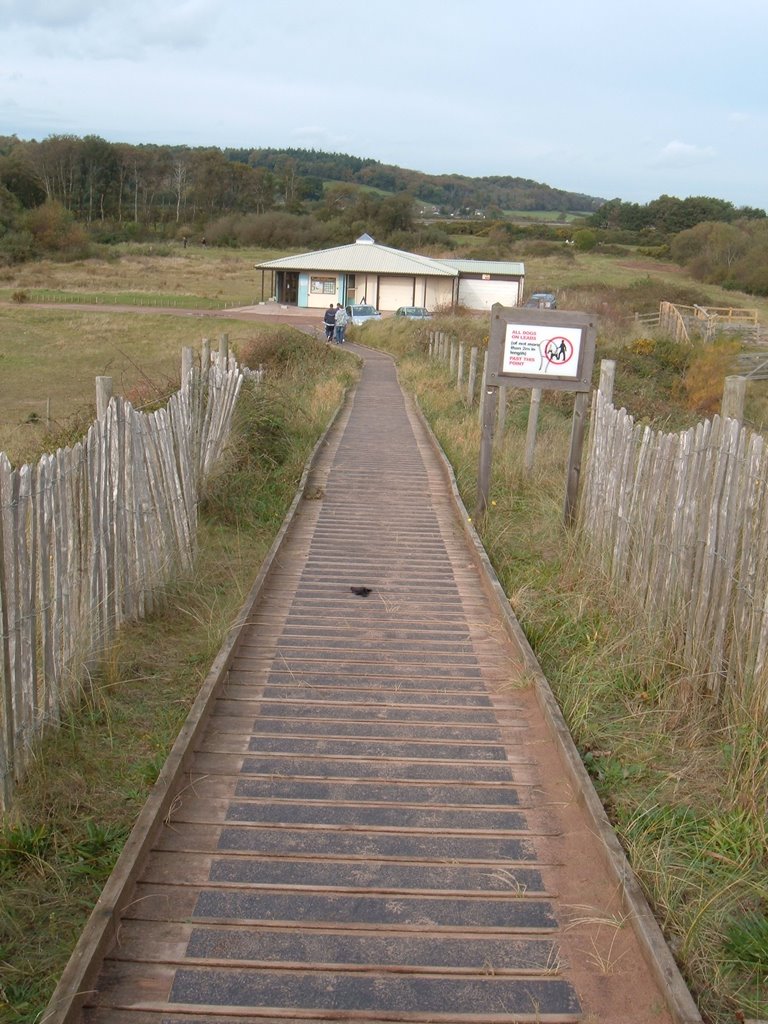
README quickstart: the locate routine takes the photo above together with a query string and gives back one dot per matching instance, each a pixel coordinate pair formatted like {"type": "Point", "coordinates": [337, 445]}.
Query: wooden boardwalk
{"type": "Point", "coordinates": [375, 823]}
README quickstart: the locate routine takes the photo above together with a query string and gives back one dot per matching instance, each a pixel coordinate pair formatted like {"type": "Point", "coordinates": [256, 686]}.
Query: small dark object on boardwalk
{"type": "Point", "coordinates": [361, 591]}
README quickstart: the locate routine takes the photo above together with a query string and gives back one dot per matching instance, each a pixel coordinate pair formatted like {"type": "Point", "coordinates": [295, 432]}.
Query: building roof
{"type": "Point", "coordinates": [486, 266]}
{"type": "Point", "coordinates": [363, 256]}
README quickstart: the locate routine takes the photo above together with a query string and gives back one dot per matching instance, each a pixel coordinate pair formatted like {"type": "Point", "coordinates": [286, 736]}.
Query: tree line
{"type": "Point", "coordinates": [669, 215]}
{"type": "Point", "coordinates": [715, 241]}
{"type": "Point", "coordinates": [122, 191]}
{"type": "Point", "coordinates": [103, 181]}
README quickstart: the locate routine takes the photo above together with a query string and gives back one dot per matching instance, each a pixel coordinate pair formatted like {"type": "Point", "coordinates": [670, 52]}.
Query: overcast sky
{"type": "Point", "coordinates": [598, 96]}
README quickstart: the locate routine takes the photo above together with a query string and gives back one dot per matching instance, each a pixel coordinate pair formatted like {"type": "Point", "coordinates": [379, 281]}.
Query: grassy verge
{"type": "Point", "coordinates": [222, 275]}
{"type": "Point", "coordinates": [77, 806]}
{"type": "Point", "coordinates": [49, 359]}
{"type": "Point", "coordinates": [674, 784]}
{"type": "Point", "coordinates": [37, 295]}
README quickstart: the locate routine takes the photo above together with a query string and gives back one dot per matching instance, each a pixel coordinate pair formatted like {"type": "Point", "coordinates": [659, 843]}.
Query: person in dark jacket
{"type": "Point", "coordinates": [329, 321]}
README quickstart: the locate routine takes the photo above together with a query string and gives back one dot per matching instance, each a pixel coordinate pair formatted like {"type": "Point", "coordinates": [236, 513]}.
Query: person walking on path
{"type": "Point", "coordinates": [330, 322]}
{"type": "Point", "coordinates": [341, 323]}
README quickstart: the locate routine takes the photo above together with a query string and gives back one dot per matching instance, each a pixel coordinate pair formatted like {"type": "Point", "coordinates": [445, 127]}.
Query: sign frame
{"type": "Point", "coordinates": [542, 341]}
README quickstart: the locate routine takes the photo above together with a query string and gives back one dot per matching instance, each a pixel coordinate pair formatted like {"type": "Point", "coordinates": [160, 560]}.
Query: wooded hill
{"type": "Point", "coordinates": [100, 180]}
{"type": "Point", "coordinates": [448, 193]}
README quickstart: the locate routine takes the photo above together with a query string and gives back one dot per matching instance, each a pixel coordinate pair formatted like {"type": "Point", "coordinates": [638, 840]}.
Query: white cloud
{"type": "Point", "coordinates": [683, 154]}
{"type": "Point", "coordinates": [51, 13]}
{"type": "Point", "coordinates": [100, 29]}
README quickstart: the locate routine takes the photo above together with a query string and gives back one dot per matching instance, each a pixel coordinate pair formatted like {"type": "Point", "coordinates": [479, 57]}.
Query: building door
{"type": "Point", "coordinates": [290, 294]}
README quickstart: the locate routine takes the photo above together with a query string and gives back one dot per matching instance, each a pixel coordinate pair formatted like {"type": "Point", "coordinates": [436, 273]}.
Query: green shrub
{"type": "Point", "coordinates": [584, 240]}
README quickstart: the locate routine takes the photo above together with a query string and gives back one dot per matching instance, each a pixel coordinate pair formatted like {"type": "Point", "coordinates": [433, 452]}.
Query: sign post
{"type": "Point", "coordinates": [543, 350]}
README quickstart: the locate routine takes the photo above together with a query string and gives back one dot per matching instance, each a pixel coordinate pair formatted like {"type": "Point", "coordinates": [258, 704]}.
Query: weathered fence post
{"type": "Point", "coordinates": [460, 368]}
{"type": "Point", "coordinates": [472, 376]}
{"type": "Point", "coordinates": [103, 396]}
{"type": "Point", "coordinates": [483, 390]}
{"type": "Point", "coordinates": [734, 396]}
{"type": "Point", "coordinates": [452, 364]}
{"type": "Point", "coordinates": [607, 378]}
{"type": "Point", "coordinates": [223, 352]}
{"type": "Point", "coordinates": [7, 764]}
{"type": "Point", "coordinates": [187, 362]}
{"type": "Point", "coordinates": [501, 419]}
{"type": "Point", "coordinates": [488, 405]}
{"type": "Point", "coordinates": [533, 427]}
{"type": "Point", "coordinates": [578, 428]}
{"type": "Point", "coordinates": [205, 361]}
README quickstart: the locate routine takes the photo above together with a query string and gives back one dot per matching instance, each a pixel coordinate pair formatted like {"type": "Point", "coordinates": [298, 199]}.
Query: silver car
{"type": "Point", "coordinates": [413, 313]}
{"type": "Point", "coordinates": [362, 314]}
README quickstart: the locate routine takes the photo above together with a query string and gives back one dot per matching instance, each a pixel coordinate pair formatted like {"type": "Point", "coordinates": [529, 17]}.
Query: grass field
{"type": "Point", "coordinates": [49, 358]}
{"type": "Point", "coordinates": [553, 217]}
{"type": "Point", "coordinates": [207, 273]}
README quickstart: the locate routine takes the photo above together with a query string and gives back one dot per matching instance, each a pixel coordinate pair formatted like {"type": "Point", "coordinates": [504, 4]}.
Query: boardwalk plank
{"type": "Point", "coordinates": [373, 825]}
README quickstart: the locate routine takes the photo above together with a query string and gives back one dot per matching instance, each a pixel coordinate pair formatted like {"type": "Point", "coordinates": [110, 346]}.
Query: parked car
{"type": "Point", "coordinates": [362, 314]}
{"type": "Point", "coordinates": [541, 300]}
{"type": "Point", "coordinates": [413, 313]}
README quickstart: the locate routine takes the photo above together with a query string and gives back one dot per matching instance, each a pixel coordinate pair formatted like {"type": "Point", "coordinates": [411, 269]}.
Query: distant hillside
{"type": "Point", "coordinates": [447, 193]}
{"type": "Point", "coordinates": [65, 193]}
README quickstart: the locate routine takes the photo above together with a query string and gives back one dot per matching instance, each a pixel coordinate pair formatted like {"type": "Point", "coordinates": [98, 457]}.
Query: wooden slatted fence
{"type": "Point", "coordinates": [90, 534]}
{"type": "Point", "coordinates": [680, 520]}
{"type": "Point", "coordinates": [682, 322]}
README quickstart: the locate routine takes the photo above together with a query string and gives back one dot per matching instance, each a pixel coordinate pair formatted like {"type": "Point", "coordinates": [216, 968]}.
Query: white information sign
{"type": "Point", "coordinates": [536, 350]}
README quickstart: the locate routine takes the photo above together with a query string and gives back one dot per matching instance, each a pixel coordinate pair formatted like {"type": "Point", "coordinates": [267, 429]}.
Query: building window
{"type": "Point", "coordinates": [322, 285]}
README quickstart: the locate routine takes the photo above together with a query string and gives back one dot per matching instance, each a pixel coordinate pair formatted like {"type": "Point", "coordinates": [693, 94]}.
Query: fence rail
{"type": "Point", "coordinates": [680, 520]}
{"type": "Point", "coordinates": [89, 535]}
{"type": "Point", "coordinates": [682, 322]}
